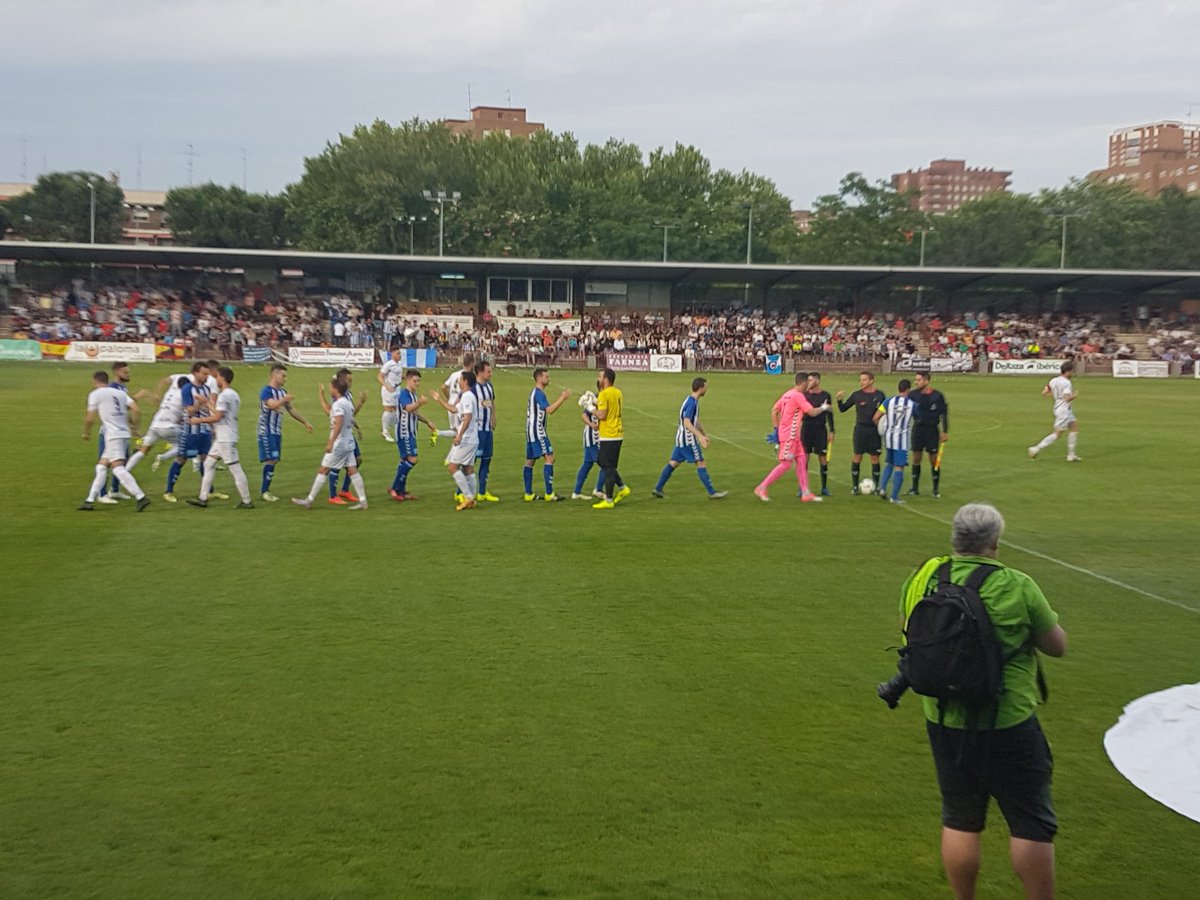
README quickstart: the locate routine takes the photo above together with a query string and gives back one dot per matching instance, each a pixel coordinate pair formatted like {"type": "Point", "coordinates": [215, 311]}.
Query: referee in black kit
{"type": "Point", "coordinates": [931, 429]}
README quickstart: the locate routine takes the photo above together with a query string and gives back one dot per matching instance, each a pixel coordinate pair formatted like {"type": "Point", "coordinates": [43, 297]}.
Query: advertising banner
{"type": "Point", "coordinates": [104, 352]}
{"type": "Point", "coordinates": [535, 326]}
{"type": "Point", "coordinates": [359, 357]}
{"type": "Point", "coordinates": [413, 359]}
{"type": "Point", "coordinates": [625, 361]}
{"type": "Point", "coordinates": [935, 364]}
{"type": "Point", "coordinates": [773, 365]}
{"type": "Point", "coordinates": [1140, 368]}
{"type": "Point", "coordinates": [666, 362]}
{"type": "Point", "coordinates": [20, 349]}
{"type": "Point", "coordinates": [1026, 366]}
{"type": "Point", "coordinates": [256, 354]}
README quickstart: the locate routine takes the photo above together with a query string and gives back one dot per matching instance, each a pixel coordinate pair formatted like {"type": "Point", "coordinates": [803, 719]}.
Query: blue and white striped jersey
{"type": "Point", "coordinates": [193, 394]}
{"type": "Point", "coordinates": [486, 395]}
{"type": "Point", "coordinates": [535, 416]}
{"type": "Point", "coordinates": [408, 422]}
{"type": "Point", "coordinates": [898, 416]}
{"type": "Point", "coordinates": [688, 412]}
{"type": "Point", "coordinates": [270, 421]}
{"type": "Point", "coordinates": [591, 433]}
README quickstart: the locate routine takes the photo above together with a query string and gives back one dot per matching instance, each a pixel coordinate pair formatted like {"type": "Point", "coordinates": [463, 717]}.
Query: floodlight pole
{"type": "Point", "coordinates": [666, 227]}
{"type": "Point", "coordinates": [441, 198]}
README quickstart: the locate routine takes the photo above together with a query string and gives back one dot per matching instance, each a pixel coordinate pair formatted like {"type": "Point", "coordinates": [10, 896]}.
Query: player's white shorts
{"type": "Point", "coordinates": [114, 449]}
{"type": "Point", "coordinates": [387, 396]}
{"type": "Point", "coordinates": [340, 458]}
{"type": "Point", "coordinates": [463, 454]}
{"type": "Point", "coordinates": [1063, 421]}
{"type": "Point", "coordinates": [226, 451]}
{"type": "Point", "coordinates": [160, 431]}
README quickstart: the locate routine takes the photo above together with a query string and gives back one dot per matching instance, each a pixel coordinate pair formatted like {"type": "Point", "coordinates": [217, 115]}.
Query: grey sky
{"type": "Point", "coordinates": [801, 92]}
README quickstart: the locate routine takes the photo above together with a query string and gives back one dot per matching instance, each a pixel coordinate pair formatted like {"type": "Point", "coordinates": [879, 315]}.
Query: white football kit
{"type": "Point", "coordinates": [393, 374]}
{"type": "Point", "coordinates": [112, 407]}
{"type": "Point", "coordinates": [1061, 388]}
{"type": "Point", "coordinates": [464, 453]}
{"type": "Point", "coordinates": [225, 429]}
{"type": "Point", "coordinates": [342, 454]}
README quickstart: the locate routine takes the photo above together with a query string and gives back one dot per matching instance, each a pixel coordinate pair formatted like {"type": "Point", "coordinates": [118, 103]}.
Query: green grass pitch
{"type": "Point", "coordinates": [669, 699]}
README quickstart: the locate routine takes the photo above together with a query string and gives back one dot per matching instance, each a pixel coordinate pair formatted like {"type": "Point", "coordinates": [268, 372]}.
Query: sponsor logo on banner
{"type": "Point", "coordinates": [623, 361]}
{"type": "Point", "coordinates": [666, 362]}
{"type": "Point", "coordinates": [935, 364]}
{"type": "Point", "coordinates": [256, 354]}
{"type": "Point", "coordinates": [102, 351]}
{"type": "Point", "coordinates": [1138, 368]}
{"type": "Point", "coordinates": [361, 357]}
{"type": "Point", "coordinates": [774, 365]}
{"type": "Point", "coordinates": [10, 349]}
{"type": "Point", "coordinates": [1026, 366]}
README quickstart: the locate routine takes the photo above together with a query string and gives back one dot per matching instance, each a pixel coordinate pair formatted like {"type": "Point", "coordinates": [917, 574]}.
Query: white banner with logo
{"type": "Point", "coordinates": [666, 362]}
{"type": "Point", "coordinates": [1141, 368]}
{"type": "Point", "coordinates": [627, 361]}
{"type": "Point", "coordinates": [100, 352]}
{"type": "Point", "coordinates": [1027, 366]}
{"type": "Point", "coordinates": [935, 364]}
{"type": "Point", "coordinates": [535, 325]}
{"type": "Point", "coordinates": [358, 357]}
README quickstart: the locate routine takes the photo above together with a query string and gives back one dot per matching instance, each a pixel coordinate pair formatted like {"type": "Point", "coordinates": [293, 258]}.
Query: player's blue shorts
{"type": "Point", "coordinates": [539, 448]}
{"type": "Point", "coordinates": [270, 447]}
{"type": "Point", "coordinates": [591, 454]}
{"type": "Point", "coordinates": [687, 454]}
{"type": "Point", "coordinates": [897, 458]}
{"type": "Point", "coordinates": [407, 446]}
{"type": "Point", "coordinates": [486, 440]}
{"type": "Point", "coordinates": [194, 445]}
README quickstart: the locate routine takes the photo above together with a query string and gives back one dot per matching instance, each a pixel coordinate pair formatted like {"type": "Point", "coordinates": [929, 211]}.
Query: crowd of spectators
{"type": "Point", "coordinates": [223, 322]}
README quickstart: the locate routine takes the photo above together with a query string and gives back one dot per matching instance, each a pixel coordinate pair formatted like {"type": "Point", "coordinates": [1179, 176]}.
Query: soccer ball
{"type": "Point", "coordinates": [866, 486]}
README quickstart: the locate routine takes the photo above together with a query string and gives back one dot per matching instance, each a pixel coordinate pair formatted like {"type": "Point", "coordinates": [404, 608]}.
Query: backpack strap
{"type": "Point", "coordinates": [943, 574]}
{"type": "Point", "coordinates": [979, 576]}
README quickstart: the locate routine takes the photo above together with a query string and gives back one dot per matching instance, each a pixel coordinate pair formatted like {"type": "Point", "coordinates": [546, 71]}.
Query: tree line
{"type": "Point", "coordinates": [550, 197]}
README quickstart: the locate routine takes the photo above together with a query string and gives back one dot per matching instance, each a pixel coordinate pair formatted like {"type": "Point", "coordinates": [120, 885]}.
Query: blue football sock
{"type": "Point", "coordinates": [548, 478]}
{"type": "Point", "coordinates": [705, 479]}
{"type": "Point", "coordinates": [600, 481]}
{"type": "Point", "coordinates": [405, 467]}
{"type": "Point", "coordinates": [268, 474]}
{"type": "Point", "coordinates": [582, 476]}
{"type": "Point", "coordinates": [173, 475]}
{"type": "Point", "coordinates": [529, 479]}
{"type": "Point", "coordinates": [346, 481]}
{"type": "Point", "coordinates": [881, 484]}
{"type": "Point", "coordinates": [898, 480]}
{"type": "Point", "coordinates": [333, 477]}
{"type": "Point", "coordinates": [485, 466]}
{"type": "Point", "coordinates": [666, 473]}
{"type": "Point", "coordinates": [398, 481]}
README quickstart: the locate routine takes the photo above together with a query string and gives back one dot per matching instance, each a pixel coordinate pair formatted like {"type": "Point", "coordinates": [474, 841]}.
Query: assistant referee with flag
{"type": "Point", "coordinates": [931, 429]}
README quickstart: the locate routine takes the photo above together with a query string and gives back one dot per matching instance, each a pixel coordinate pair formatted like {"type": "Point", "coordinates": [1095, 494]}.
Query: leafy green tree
{"type": "Point", "coordinates": [59, 208]}
{"type": "Point", "coordinates": [863, 224]}
{"type": "Point", "coordinates": [999, 229]}
{"type": "Point", "coordinates": [210, 215]}
{"type": "Point", "coordinates": [1175, 224]}
{"type": "Point", "coordinates": [1108, 225]}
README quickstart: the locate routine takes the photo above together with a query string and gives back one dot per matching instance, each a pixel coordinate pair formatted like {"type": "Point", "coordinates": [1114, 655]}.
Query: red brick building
{"type": "Point", "coordinates": [1153, 157]}
{"type": "Point", "coordinates": [947, 184]}
{"type": "Point", "coordinates": [486, 119]}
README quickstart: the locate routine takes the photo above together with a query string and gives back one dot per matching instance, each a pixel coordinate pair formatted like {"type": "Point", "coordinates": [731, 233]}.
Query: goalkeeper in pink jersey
{"type": "Point", "coordinates": [787, 414]}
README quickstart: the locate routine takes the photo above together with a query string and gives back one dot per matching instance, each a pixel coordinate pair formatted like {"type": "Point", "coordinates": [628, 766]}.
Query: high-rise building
{"type": "Point", "coordinates": [1153, 157]}
{"type": "Point", "coordinates": [486, 119]}
{"type": "Point", "coordinates": [947, 184]}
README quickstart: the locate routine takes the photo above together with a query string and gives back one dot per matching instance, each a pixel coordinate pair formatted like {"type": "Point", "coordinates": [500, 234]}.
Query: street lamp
{"type": "Point", "coordinates": [441, 198]}
{"type": "Point", "coordinates": [921, 264]}
{"type": "Point", "coordinates": [749, 230]}
{"type": "Point", "coordinates": [665, 226]}
{"type": "Point", "coordinates": [1065, 214]}
{"type": "Point", "coordinates": [411, 222]}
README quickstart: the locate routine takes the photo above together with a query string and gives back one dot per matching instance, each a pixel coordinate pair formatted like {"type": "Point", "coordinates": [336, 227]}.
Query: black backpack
{"type": "Point", "coordinates": [951, 652]}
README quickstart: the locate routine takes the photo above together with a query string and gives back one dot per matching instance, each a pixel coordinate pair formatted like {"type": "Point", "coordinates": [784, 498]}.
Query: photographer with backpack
{"type": "Point", "coordinates": [972, 629]}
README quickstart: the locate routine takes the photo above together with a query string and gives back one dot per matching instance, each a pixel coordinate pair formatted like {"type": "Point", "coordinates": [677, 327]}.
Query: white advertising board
{"type": "Point", "coordinates": [1027, 366]}
{"type": "Point", "coordinates": [102, 351]}
{"type": "Point", "coordinates": [360, 357]}
{"type": "Point", "coordinates": [666, 362]}
{"type": "Point", "coordinates": [1141, 368]}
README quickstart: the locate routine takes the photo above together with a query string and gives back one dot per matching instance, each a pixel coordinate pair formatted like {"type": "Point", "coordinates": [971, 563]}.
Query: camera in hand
{"type": "Point", "coordinates": [893, 689]}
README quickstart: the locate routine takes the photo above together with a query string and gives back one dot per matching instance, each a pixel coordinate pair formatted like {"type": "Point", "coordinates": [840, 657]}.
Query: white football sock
{"type": "Point", "coordinates": [318, 485]}
{"type": "Point", "coordinates": [210, 472]}
{"type": "Point", "coordinates": [464, 486]}
{"type": "Point", "coordinates": [97, 483]}
{"type": "Point", "coordinates": [1071, 438]}
{"type": "Point", "coordinates": [360, 487]}
{"type": "Point", "coordinates": [128, 482]}
{"type": "Point", "coordinates": [239, 479]}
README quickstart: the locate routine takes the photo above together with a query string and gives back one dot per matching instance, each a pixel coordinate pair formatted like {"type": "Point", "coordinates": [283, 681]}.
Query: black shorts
{"type": "Point", "coordinates": [609, 454]}
{"type": "Point", "coordinates": [867, 440]}
{"type": "Point", "coordinates": [925, 438]}
{"type": "Point", "coordinates": [815, 438]}
{"type": "Point", "coordinates": [1011, 764]}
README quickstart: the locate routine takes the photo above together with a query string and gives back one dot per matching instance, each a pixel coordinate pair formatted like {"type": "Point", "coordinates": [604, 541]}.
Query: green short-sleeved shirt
{"type": "Point", "coordinates": [1019, 612]}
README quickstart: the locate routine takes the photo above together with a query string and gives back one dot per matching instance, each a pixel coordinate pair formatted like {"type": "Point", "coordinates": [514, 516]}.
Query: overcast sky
{"type": "Point", "coordinates": [800, 91]}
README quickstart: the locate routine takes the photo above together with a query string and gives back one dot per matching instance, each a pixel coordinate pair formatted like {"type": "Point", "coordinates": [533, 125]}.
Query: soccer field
{"type": "Point", "coordinates": [673, 698]}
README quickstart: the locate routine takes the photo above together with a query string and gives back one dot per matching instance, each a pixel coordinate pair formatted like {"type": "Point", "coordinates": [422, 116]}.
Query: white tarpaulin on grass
{"type": "Point", "coordinates": [1156, 745]}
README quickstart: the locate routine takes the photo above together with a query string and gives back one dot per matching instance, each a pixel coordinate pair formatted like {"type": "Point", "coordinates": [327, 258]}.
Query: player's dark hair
{"type": "Point", "coordinates": [343, 372]}
{"type": "Point", "coordinates": [340, 384]}
{"type": "Point", "coordinates": [816, 375]}
{"type": "Point", "coordinates": [183, 379]}
{"type": "Point", "coordinates": [213, 364]}
{"type": "Point", "coordinates": [801, 377]}
{"type": "Point", "coordinates": [924, 374]}
{"type": "Point", "coordinates": [904, 385]}
{"type": "Point", "coordinates": [100, 376]}
{"type": "Point", "coordinates": [870, 375]}
{"type": "Point", "coordinates": [279, 367]}
{"type": "Point", "coordinates": [482, 366]}
{"type": "Point", "coordinates": [226, 373]}
{"type": "Point", "coordinates": [198, 365]}
{"type": "Point", "coordinates": [698, 383]}
{"type": "Point", "coordinates": [471, 379]}
{"type": "Point", "coordinates": [1067, 367]}
{"type": "Point", "coordinates": [409, 373]}
{"type": "Point", "coordinates": [120, 365]}
{"type": "Point", "coordinates": [536, 373]}
{"type": "Point", "coordinates": [468, 360]}
{"type": "Point", "coordinates": [610, 376]}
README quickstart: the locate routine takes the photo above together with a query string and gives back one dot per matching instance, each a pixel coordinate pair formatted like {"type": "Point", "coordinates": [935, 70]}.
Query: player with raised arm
{"type": "Point", "coordinates": [461, 460]}
{"type": "Point", "coordinates": [408, 406]}
{"type": "Point", "coordinates": [1062, 389]}
{"type": "Point", "coordinates": [111, 406]}
{"type": "Point", "coordinates": [273, 400]}
{"type": "Point", "coordinates": [866, 402]}
{"type": "Point", "coordinates": [390, 374]}
{"type": "Point", "coordinates": [931, 429]}
{"type": "Point", "coordinates": [164, 426]}
{"type": "Point", "coordinates": [610, 409]}
{"type": "Point", "coordinates": [339, 448]}
{"type": "Point", "coordinates": [896, 416]}
{"type": "Point", "coordinates": [343, 496]}
{"type": "Point", "coordinates": [224, 420]}
{"type": "Point", "coordinates": [537, 441]}
{"type": "Point", "coordinates": [786, 415]}
{"type": "Point", "coordinates": [817, 432]}
{"type": "Point", "coordinates": [195, 439]}
{"type": "Point", "coordinates": [691, 440]}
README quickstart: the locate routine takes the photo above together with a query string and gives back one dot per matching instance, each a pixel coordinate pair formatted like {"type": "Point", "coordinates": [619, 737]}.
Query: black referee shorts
{"type": "Point", "coordinates": [867, 440]}
{"type": "Point", "coordinates": [815, 438]}
{"type": "Point", "coordinates": [1011, 764]}
{"type": "Point", "coordinates": [925, 438]}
